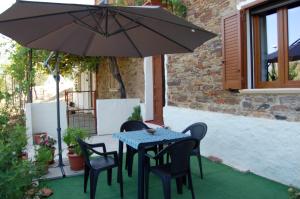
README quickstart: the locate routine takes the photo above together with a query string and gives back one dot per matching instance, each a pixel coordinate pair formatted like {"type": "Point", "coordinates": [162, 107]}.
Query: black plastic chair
{"type": "Point", "coordinates": [134, 126]}
{"type": "Point", "coordinates": [197, 131]}
{"type": "Point", "coordinates": [94, 165]}
{"type": "Point", "coordinates": [178, 168]}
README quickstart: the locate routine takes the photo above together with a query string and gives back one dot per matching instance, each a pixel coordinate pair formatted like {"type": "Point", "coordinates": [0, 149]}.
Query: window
{"type": "Point", "coordinates": [276, 43]}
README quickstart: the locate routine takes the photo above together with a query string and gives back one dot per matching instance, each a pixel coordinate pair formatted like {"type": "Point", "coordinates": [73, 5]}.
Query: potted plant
{"type": "Point", "coordinates": [75, 156]}
{"type": "Point", "coordinates": [48, 142]}
{"type": "Point", "coordinates": [37, 137]}
{"type": "Point", "coordinates": [42, 158]}
{"type": "Point", "coordinates": [136, 114]}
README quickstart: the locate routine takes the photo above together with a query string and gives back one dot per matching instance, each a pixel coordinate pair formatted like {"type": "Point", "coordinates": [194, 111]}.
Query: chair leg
{"type": "Point", "coordinates": [126, 160]}
{"type": "Point", "coordinates": [168, 158]}
{"type": "Point", "coordinates": [146, 183]}
{"type": "Point", "coordinates": [167, 188]}
{"type": "Point", "coordinates": [109, 176]}
{"type": "Point", "coordinates": [130, 164]}
{"type": "Point", "coordinates": [191, 184]}
{"type": "Point", "coordinates": [200, 165]}
{"type": "Point", "coordinates": [184, 180]}
{"type": "Point", "coordinates": [86, 177]}
{"type": "Point", "coordinates": [120, 177]}
{"type": "Point", "coordinates": [179, 185]}
{"type": "Point", "coordinates": [155, 152]}
{"type": "Point", "coordinates": [93, 183]}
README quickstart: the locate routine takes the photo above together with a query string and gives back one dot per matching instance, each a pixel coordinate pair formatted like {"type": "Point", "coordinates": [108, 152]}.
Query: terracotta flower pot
{"type": "Point", "coordinates": [71, 149]}
{"type": "Point", "coordinates": [23, 155]}
{"type": "Point", "coordinates": [76, 161]}
{"type": "Point", "coordinates": [37, 137]}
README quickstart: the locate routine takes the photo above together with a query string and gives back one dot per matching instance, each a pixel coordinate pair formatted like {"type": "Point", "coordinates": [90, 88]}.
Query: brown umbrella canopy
{"type": "Point", "coordinates": [101, 30]}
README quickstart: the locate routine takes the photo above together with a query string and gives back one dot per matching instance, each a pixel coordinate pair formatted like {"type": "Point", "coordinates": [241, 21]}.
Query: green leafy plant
{"type": "Point", "coordinates": [42, 158]}
{"type": "Point", "coordinates": [16, 174]}
{"type": "Point", "coordinates": [177, 7]}
{"type": "Point", "coordinates": [136, 114]}
{"type": "Point", "coordinates": [293, 193]}
{"type": "Point", "coordinates": [43, 155]}
{"type": "Point", "coordinates": [70, 136]}
{"type": "Point", "coordinates": [293, 71]}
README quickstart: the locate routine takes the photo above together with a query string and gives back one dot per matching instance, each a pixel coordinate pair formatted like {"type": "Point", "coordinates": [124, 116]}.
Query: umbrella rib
{"type": "Point", "coordinates": [106, 22]}
{"type": "Point", "coordinates": [128, 37]}
{"type": "Point", "coordinates": [57, 29]}
{"type": "Point", "coordinates": [45, 15]}
{"type": "Point", "coordinates": [158, 19]}
{"type": "Point", "coordinates": [83, 23]}
{"type": "Point", "coordinates": [88, 44]}
{"type": "Point", "coordinates": [162, 35]}
{"type": "Point", "coordinates": [97, 22]}
{"type": "Point", "coordinates": [123, 29]}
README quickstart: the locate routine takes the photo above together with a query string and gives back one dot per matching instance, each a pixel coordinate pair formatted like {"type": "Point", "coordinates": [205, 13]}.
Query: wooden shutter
{"type": "Point", "coordinates": [234, 51]}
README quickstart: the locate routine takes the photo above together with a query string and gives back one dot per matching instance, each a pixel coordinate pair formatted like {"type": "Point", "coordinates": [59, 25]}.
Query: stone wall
{"type": "Point", "coordinates": [195, 80]}
{"type": "Point", "coordinates": [132, 72]}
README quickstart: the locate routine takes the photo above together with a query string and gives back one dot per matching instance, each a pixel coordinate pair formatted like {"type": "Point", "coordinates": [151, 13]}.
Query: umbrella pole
{"type": "Point", "coordinates": [57, 79]}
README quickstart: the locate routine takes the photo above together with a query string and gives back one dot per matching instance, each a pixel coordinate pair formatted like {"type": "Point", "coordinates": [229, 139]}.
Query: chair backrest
{"type": "Point", "coordinates": [85, 150]}
{"type": "Point", "coordinates": [133, 126]}
{"type": "Point", "coordinates": [180, 155]}
{"type": "Point", "coordinates": [197, 130]}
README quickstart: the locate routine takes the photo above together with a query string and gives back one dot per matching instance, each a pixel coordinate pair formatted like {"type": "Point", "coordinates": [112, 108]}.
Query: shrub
{"type": "Point", "coordinates": [136, 114]}
{"type": "Point", "coordinates": [16, 174]}
{"type": "Point", "coordinates": [293, 193]}
{"type": "Point", "coordinates": [42, 158]}
{"type": "Point", "coordinates": [70, 136]}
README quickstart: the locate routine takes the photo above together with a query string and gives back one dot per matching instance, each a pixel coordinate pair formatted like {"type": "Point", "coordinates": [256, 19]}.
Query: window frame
{"type": "Point", "coordinates": [283, 46]}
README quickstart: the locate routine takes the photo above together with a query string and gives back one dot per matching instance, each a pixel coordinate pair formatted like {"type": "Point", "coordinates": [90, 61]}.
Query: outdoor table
{"type": "Point", "coordinates": [140, 140]}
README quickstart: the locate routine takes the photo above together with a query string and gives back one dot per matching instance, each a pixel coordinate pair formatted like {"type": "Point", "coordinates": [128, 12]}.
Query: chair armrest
{"type": "Point", "coordinates": [157, 156]}
{"type": "Point", "coordinates": [149, 156]}
{"type": "Point", "coordinates": [114, 153]}
{"type": "Point", "coordinates": [98, 145]}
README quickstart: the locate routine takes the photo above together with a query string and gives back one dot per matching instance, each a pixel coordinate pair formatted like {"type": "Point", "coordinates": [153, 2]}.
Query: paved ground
{"type": "Point", "coordinates": [55, 172]}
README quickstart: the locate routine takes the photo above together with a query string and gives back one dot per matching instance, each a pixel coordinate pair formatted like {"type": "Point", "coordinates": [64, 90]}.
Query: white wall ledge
{"type": "Point", "coordinates": [271, 91]}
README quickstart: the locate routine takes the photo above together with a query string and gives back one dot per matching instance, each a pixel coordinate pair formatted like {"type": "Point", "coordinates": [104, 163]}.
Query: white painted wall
{"type": "Point", "coordinates": [268, 148]}
{"type": "Point", "coordinates": [148, 74]}
{"type": "Point", "coordinates": [82, 100]}
{"type": "Point", "coordinates": [41, 117]}
{"type": "Point", "coordinates": [112, 113]}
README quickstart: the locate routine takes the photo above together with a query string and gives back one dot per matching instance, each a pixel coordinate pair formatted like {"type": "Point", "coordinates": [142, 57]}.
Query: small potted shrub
{"type": "Point", "coordinates": [48, 142]}
{"type": "Point", "coordinates": [136, 114]}
{"type": "Point", "coordinates": [75, 155]}
{"type": "Point", "coordinates": [42, 158]}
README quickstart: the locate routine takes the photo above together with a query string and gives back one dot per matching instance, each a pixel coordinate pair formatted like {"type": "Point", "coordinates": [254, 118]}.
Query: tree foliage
{"type": "Point", "coordinates": [25, 77]}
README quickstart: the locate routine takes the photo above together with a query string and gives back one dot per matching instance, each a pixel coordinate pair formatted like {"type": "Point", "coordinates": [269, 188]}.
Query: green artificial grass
{"type": "Point", "coordinates": [220, 182]}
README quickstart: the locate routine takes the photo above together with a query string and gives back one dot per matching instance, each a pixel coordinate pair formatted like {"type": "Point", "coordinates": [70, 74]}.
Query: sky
{"type": "Point", "coordinates": [293, 24]}
{"type": "Point", "coordinates": [5, 4]}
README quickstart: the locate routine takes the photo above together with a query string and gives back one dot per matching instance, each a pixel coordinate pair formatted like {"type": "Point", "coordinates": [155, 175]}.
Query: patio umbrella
{"type": "Point", "coordinates": [294, 53]}
{"type": "Point", "coordinates": [100, 30]}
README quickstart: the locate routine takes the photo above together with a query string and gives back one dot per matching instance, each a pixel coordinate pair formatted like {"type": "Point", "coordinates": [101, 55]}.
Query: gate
{"type": "Point", "coordinates": [81, 110]}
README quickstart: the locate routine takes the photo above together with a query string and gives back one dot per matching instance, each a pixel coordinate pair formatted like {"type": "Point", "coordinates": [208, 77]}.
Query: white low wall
{"type": "Point", "coordinates": [268, 148]}
{"type": "Point", "coordinates": [42, 117]}
{"type": "Point", "coordinates": [112, 113]}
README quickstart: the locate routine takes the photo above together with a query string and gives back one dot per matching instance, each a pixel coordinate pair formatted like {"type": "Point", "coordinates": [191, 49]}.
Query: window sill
{"type": "Point", "coordinates": [271, 91]}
